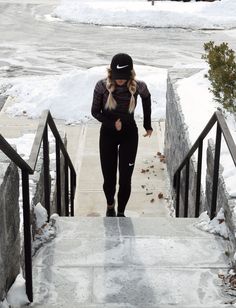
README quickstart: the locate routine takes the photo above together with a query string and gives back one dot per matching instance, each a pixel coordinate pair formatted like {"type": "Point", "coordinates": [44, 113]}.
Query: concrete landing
{"type": "Point", "coordinates": [148, 181]}
{"type": "Point", "coordinates": [130, 262]}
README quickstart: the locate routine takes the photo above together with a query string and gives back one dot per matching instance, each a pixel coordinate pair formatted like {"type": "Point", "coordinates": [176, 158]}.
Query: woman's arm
{"type": "Point", "coordinates": [146, 103]}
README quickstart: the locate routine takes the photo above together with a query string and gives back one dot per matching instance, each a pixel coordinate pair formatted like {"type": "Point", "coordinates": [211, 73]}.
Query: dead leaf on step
{"type": "Point", "coordinates": [152, 200]}
{"type": "Point", "coordinates": [162, 159]}
{"type": "Point", "coordinates": [39, 231]}
{"type": "Point", "coordinates": [160, 195]}
{"type": "Point", "coordinates": [159, 153]}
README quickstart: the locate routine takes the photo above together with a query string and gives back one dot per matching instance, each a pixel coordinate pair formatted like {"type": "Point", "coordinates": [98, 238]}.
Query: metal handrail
{"type": "Point", "coordinates": [222, 127]}
{"type": "Point", "coordinates": [27, 168]}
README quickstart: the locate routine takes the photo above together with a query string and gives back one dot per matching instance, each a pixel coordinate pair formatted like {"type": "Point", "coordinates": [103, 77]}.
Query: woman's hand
{"type": "Point", "coordinates": [148, 133]}
{"type": "Point", "coordinates": [118, 124]}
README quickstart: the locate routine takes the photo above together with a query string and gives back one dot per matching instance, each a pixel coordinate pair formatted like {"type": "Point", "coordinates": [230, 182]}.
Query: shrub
{"type": "Point", "coordinates": [222, 74]}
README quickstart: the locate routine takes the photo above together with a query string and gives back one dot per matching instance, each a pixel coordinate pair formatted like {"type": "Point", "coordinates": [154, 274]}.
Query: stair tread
{"type": "Point", "coordinates": [130, 262]}
{"type": "Point", "coordinates": [77, 227]}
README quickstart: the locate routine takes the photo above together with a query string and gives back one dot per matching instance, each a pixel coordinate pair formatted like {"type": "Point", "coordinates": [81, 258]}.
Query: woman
{"type": "Point", "coordinates": [114, 102]}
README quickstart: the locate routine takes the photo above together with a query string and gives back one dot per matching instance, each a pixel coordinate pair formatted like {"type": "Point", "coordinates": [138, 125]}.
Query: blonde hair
{"type": "Point", "coordinates": [111, 86]}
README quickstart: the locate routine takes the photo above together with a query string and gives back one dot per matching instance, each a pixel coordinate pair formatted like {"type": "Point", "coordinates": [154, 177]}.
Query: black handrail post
{"type": "Point", "coordinates": [177, 184]}
{"type": "Point", "coordinates": [72, 191]}
{"type": "Point", "coordinates": [46, 172]}
{"type": "Point", "coordinates": [27, 235]}
{"type": "Point", "coordinates": [216, 171]}
{"type": "Point", "coordinates": [74, 176]}
{"type": "Point", "coordinates": [58, 177]}
{"type": "Point", "coordinates": [66, 188]}
{"type": "Point", "coordinates": [186, 189]}
{"type": "Point", "coordinates": [199, 176]}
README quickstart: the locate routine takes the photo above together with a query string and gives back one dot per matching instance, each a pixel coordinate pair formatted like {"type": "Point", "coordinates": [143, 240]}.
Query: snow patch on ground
{"type": "Point", "coordinates": [41, 215]}
{"type": "Point", "coordinates": [47, 231]}
{"type": "Point", "coordinates": [216, 225]}
{"type": "Point", "coordinates": [195, 97]}
{"type": "Point", "coordinates": [69, 96]}
{"type": "Point", "coordinates": [16, 296]}
{"type": "Point", "coordinates": [164, 14]}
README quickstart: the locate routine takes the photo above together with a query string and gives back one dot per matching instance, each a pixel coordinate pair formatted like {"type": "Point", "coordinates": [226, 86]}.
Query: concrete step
{"type": "Point", "coordinates": [110, 305]}
{"type": "Point", "coordinates": [130, 262]}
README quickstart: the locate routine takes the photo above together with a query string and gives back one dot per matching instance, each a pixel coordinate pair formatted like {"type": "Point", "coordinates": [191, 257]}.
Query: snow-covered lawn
{"type": "Point", "coordinates": [140, 13]}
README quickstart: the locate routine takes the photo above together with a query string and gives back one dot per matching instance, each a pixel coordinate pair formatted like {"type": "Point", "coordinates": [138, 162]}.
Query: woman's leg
{"type": "Point", "coordinates": [108, 157]}
{"type": "Point", "coordinates": [127, 155]}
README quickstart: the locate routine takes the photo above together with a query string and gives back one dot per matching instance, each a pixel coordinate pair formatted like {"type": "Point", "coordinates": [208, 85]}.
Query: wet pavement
{"type": "Point", "coordinates": [32, 43]}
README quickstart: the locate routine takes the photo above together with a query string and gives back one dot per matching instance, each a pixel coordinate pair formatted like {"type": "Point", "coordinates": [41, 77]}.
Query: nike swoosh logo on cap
{"type": "Point", "coordinates": [120, 67]}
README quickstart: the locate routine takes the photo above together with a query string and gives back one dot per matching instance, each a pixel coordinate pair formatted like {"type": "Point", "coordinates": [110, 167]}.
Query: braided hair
{"type": "Point", "coordinates": [111, 86]}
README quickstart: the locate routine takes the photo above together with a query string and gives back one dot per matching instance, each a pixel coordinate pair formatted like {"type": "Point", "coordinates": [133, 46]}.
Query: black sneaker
{"type": "Point", "coordinates": [120, 215]}
{"type": "Point", "coordinates": [111, 212]}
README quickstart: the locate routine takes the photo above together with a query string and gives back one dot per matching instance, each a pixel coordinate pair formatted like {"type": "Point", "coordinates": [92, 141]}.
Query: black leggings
{"type": "Point", "coordinates": [118, 148]}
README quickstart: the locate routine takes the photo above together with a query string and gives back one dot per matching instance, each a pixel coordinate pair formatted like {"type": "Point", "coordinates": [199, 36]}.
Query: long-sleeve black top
{"type": "Point", "coordinates": [122, 97]}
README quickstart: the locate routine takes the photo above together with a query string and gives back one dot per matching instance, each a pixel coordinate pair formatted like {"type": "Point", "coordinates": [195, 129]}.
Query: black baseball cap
{"type": "Point", "coordinates": [121, 66]}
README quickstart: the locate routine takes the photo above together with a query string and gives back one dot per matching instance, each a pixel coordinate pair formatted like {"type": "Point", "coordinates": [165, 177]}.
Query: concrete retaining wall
{"type": "Point", "coordinates": [177, 144]}
{"type": "Point", "coordinates": [9, 224]}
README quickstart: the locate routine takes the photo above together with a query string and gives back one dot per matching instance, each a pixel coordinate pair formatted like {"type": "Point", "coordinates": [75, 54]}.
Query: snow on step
{"type": "Point", "coordinates": [138, 262]}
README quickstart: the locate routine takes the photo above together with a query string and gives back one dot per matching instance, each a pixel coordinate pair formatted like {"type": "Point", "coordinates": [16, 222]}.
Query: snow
{"type": "Point", "coordinates": [46, 231]}
{"type": "Point", "coordinates": [164, 14]}
{"type": "Point", "coordinates": [23, 144]}
{"type": "Point", "coordinates": [69, 96]}
{"type": "Point", "coordinates": [41, 215]}
{"type": "Point", "coordinates": [216, 225]}
{"type": "Point", "coordinates": [196, 120]}
{"type": "Point", "coordinates": [16, 296]}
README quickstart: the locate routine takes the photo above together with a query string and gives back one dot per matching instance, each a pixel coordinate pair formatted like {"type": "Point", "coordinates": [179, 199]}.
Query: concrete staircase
{"type": "Point", "coordinates": [130, 262]}
{"type": "Point", "coordinates": [148, 259]}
